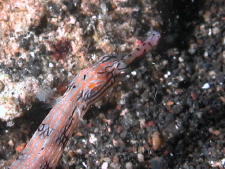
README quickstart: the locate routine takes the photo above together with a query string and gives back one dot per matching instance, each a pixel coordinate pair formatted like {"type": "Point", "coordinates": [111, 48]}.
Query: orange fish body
{"type": "Point", "coordinates": [46, 146]}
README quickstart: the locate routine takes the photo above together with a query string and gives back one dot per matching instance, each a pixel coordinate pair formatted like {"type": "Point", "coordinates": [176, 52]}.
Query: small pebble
{"type": "Point", "coordinates": [170, 103]}
{"type": "Point", "coordinates": [134, 73]}
{"type": "Point", "coordinates": [222, 99]}
{"type": "Point", "coordinates": [105, 165]}
{"type": "Point", "coordinates": [129, 165]}
{"type": "Point", "coordinates": [210, 32]}
{"type": "Point", "coordinates": [71, 153]}
{"type": "Point", "coordinates": [167, 74]}
{"type": "Point", "coordinates": [140, 157]}
{"type": "Point", "coordinates": [181, 59]}
{"type": "Point", "coordinates": [92, 139]}
{"type": "Point", "coordinates": [156, 141]}
{"type": "Point", "coordinates": [206, 54]}
{"type": "Point", "coordinates": [192, 49]}
{"type": "Point", "coordinates": [223, 53]}
{"type": "Point", "coordinates": [11, 143]}
{"type": "Point", "coordinates": [206, 86]}
{"type": "Point", "coordinates": [215, 30]}
{"type": "Point", "coordinates": [214, 131]}
{"type": "Point", "coordinates": [2, 86]}
{"type": "Point", "coordinates": [223, 162]}
{"type": "Point", "coordinates": [50, 65]}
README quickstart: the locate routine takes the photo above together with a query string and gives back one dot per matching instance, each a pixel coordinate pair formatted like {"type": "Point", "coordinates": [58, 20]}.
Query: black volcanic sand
{"type": "Point", "coordinates": [177, 91]}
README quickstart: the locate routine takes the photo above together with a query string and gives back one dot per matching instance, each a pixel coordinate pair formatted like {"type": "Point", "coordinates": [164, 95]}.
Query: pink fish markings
{"type": "Point", "coordinates": [45, 148]}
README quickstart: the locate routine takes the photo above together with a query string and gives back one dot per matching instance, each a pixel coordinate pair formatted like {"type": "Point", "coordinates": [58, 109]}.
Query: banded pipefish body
{"type": "Point", "coordinates": [45, 148]}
